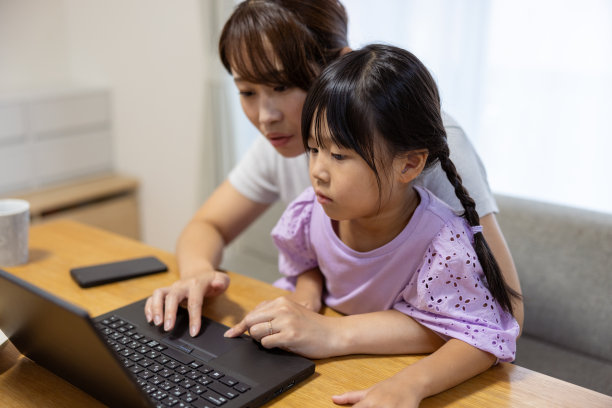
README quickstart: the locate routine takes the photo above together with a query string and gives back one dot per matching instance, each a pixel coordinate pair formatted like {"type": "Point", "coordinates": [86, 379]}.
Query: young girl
{"type": "Point", "coordinates": [395, 259]}
{"type": "Point", "coordinates": [275, 49]}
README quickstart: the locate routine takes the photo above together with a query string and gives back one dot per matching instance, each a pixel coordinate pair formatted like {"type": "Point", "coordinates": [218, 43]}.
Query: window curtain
{"type": "Point", "coordinates": [529, 81]}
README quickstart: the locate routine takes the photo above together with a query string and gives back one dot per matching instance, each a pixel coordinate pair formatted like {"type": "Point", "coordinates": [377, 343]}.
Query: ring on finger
{"type": "Point", "coordinates": [270, 331]}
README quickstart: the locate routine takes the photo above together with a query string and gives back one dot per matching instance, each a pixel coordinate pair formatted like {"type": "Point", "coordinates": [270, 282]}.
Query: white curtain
{"type": "Point", "coordinates": [530, 81]}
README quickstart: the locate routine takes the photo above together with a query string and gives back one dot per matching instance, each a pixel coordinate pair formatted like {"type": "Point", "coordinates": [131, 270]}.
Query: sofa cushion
{"type": "Point", "coordinates": [577, 368]}
{"type": "Point", "coordinates": [564, 259]}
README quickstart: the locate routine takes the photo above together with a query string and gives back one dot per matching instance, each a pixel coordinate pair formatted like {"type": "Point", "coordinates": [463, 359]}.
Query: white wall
{"type": "Point", "coordinates": [153, 56]}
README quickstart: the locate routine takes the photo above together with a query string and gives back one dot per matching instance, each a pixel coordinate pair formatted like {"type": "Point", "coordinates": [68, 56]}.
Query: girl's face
{"type": "Point", "coordinates": [345, 185]}
{"type": "Point", "coordinates": [276, 111]}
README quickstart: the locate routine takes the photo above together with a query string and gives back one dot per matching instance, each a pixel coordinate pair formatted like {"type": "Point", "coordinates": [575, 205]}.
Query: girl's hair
{"type": "Point", "coordinates": [386, 91]}
{"type": "Point", "coordinates": [286, 42]}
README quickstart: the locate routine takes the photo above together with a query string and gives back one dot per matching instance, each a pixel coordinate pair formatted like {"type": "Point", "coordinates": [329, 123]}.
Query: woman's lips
{"type": "Point", "coordinates": [278, 140]}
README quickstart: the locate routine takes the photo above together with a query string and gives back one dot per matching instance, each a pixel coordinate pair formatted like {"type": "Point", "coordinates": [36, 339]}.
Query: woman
{"type": "Point", "coordinates": [275, 49]}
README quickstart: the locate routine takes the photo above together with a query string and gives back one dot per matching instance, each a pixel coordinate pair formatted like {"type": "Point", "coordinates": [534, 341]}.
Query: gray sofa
{"type": "Point", "coordinates": [564, 259]}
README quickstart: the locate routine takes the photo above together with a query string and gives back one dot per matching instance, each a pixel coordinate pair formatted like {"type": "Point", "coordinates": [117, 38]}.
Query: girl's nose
{"type": "Point", "coordinates": [318, 171]}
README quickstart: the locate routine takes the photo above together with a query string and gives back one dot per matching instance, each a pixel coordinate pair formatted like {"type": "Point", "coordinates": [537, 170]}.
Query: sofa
{"type": "Point", "coordinates": [563, 257]}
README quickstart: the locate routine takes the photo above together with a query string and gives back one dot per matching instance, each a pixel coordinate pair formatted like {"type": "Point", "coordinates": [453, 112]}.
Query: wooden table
{"type": "Point", "coordinates": [58, 246]}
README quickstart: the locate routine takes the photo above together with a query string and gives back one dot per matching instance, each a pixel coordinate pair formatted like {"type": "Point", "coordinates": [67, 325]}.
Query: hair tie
{"type": "Point", "coordinates": [476, 229]}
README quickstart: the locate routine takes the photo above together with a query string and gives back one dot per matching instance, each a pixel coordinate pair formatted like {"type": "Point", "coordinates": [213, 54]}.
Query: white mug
{"type": "Point", "coordinates": [14, 228]}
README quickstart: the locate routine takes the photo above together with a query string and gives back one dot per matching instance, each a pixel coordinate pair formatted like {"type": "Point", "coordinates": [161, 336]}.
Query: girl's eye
{"type": "Point", "coordinates": [313, 150]}
{"type": "Point", "coordinates": [281, 88]}
{"type": "Point", "coordinates": [338, 156]}
{"type": "Point", "coordinates": [246, 93]}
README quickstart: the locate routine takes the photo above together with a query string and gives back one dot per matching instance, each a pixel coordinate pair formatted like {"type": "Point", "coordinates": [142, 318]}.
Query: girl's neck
{"type": "Point", "coordinates": [367, 234]}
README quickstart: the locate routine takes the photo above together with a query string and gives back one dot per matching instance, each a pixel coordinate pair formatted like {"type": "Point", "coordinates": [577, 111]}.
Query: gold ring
{"type": "Point", "coordinates": [270, 331]}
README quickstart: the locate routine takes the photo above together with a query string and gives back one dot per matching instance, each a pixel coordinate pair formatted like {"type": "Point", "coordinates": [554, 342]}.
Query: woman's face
{"type": "Point", "coordinates": [276, 111]}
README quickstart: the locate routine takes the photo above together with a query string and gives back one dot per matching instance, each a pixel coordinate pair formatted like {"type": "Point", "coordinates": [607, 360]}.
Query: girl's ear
{"type": "Point", "coordinates": [409, 165]}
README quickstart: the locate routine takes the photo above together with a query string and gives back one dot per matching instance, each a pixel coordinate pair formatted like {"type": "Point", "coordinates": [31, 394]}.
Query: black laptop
{"type": "Point", "coordinates": [123, 361]}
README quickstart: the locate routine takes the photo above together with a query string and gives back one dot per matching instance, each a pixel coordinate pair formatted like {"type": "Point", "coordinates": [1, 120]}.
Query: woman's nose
{"type": "Point", "coordinates": [269, 112]}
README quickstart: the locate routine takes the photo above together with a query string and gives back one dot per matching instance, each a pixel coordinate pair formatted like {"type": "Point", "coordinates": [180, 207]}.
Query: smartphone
{"type": "Point", "coordinates": [94, 275]}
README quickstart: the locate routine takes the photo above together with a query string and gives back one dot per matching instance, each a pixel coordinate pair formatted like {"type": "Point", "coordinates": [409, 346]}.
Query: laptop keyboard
{"type": "Point", "coordinates": [169, 377]}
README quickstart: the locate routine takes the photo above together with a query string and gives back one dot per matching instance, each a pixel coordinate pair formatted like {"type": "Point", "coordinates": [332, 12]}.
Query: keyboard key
{"type": "Point", "coordinates": [204, 369]}
{"type": "Point", "coordinates": [170, 401]}
{"type": "Point", "coordinates": [145, 374]}
{"type": "Point", "coordinates": [156, 379]}
{"type": "Point", "coordinates": [215, 398]}
{"type": "Point", "coordinates": [202, 403]}
{"type": "Point", "coordinates": [224, 390]}
{"type": "Point", "coordinates": [166, 386]}
{"type": "Point", "coordinates": [178, 355]}
{"type": "Point", "coordinates": [187, 383]}
{"type": "Point", "coordinates": [242, 387]}
{"type": "Point", "coordinates": [176, 378]}
{"type": "Point", "coordinates": [189, 397]}
{"type": "Point", "coordinates": [198, 389]}
{"type": "Point", "coordinates": [195, 364]}
{"type": "Point", "coordinates": [171, 364]}
{"type": "Point", "coordinates": [229, 381]}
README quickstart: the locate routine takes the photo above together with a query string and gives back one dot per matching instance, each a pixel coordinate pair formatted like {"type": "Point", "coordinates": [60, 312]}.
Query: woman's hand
{"type": "Point", "coordinates": [309, 301]}
{"type": "Point", "coordinates": [162, 306]}
{"type": "Point", "coordinates": [290, 326]}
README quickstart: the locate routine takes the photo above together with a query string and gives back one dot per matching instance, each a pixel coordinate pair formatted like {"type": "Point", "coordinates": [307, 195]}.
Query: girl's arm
{"type": "Point", "coordinates": [220, 219]}
{"type": "Point", "coordinates": [308, 290]}
{"type": "Point", "coordinates": [452, 364]}
{"type": "Point", "coordinates": [287, 325]}
{"type": "Point", "coordinates": [501, 252]}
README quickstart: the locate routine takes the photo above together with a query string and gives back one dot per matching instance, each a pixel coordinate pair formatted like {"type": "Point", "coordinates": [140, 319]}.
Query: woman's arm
{"type": "Point", "coordinates": [290, 326]}
{"type": "Point", "coordinates": [452, 364]}
{"type": "Point", "coordinates": [501, 252]}
{"type": "Point", "coordinates": [199, 251]}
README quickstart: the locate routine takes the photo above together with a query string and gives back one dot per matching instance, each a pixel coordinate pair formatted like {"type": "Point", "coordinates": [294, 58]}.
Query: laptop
{"type": "Point", "coordinates": [121, 360]}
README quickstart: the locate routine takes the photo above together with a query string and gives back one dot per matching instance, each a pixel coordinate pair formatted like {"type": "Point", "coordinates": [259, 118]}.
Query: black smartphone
{"type": "Point", "coordinates": [94, 275]}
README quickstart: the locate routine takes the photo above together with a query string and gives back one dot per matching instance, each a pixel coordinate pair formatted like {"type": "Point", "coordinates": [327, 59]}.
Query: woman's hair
{"type": "Point", "coordinates": [285, 42]}
{"type": "Point", "coordinates": [383, 97]}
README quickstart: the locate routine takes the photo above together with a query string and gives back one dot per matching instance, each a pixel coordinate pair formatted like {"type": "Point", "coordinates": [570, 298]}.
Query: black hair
{"type": "Point", "coordinates": [386, 91]}
{"type": "Point", "coordinates": [302, 36]}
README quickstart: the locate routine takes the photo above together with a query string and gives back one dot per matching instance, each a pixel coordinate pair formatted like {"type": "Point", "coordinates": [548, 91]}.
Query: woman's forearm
{"type": "Point", "coordinates": [199, 248]}
{"type": "Point", "coordinates": [501, 252]}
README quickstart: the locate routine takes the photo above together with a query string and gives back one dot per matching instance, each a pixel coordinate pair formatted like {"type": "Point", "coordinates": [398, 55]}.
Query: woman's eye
{"type": "Point", "coordinates": [246, 93]}
{"type": "Point", "coordinates": [281, 88]}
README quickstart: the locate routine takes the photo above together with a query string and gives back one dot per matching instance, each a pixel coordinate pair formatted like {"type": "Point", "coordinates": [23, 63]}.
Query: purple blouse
{"type": "Point", "coordinates": [429, 271]}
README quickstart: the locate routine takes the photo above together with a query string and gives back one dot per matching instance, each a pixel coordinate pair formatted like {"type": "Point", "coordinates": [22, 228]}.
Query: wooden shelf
{"type": "Point", "coordinates": [108, 201]}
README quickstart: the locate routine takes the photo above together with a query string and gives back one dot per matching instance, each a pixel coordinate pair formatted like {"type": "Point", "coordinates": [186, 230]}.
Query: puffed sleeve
{"type": "Point", "coordinates": [448, 295]}
{"type": "Point", "coordinates": [291, 236]}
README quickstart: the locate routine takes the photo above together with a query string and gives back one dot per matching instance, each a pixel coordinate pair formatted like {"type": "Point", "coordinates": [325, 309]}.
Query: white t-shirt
{"type": "Point", "coordinates": [265, 176]}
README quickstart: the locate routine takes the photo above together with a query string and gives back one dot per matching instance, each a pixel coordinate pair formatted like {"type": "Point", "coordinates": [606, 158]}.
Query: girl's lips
{"type": "Point", "coordinates": [323, 199]}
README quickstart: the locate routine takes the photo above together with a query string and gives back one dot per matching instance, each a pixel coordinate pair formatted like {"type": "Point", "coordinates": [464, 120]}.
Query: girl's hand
{"type": "Point", "coordinates": [290, 326]}
{"type": "Point", "coordinates": [162, 306]}
{"type": "Point", "coordinates": [390, 393]}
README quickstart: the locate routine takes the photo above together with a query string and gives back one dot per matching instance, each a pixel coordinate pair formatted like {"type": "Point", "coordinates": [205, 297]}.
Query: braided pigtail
{"type": "Point", "coordinates": [495, 280]}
